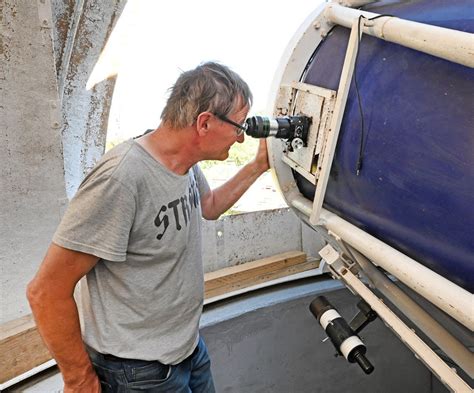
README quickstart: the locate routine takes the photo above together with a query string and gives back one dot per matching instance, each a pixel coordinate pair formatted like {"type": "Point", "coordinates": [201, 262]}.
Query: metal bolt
{"type": "Point", "coordinates": [317, 25]}
{"type": "Point", "coordinates": [297, 143]}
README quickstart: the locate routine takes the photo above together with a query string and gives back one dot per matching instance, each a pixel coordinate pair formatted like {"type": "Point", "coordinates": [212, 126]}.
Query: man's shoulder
{"type": "Point", "coordinates": [117, 163]}
{"type": "Point", "coordinates": [124, 158]}
{"type": "Point", "coordinates": [118, 153]}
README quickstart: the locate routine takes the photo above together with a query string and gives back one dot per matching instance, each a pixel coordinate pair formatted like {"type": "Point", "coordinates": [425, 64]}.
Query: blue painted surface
{"type": "Point", "coordinates": [416, 187]}
{"type": "Point", "coordinates": [236, 306]}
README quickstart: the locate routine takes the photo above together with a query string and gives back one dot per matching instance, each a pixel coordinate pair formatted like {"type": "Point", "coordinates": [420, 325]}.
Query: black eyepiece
{"type": "Point", "coordinates": [288, 127]}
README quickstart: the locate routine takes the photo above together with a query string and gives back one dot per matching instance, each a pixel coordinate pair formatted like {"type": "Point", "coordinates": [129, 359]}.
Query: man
{"type": "Point", "coordinates": [133, 229]}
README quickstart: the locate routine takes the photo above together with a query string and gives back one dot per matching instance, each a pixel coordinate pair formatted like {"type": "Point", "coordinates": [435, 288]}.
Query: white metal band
{"type": "Point", "coordinates": [273, 127]}
{"type": "Point", "coordinates": [349, 344]}
{"type": "Point", "coordinates": [327, 317]}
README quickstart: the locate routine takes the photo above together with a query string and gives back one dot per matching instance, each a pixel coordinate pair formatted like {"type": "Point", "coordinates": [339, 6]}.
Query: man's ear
{"type": "Point", "coordinates": [203, 123]}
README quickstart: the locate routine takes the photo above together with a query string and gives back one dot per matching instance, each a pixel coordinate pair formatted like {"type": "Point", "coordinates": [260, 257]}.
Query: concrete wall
{"type": "Point", "coordinates": [32, 185]}
{"type": "Point", "coordinates": [240, 238]}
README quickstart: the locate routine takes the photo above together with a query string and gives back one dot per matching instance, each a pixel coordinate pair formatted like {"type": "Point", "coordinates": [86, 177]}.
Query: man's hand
{"type": "Point", "coordinates": [261, 158]}
{"type": "Point", "coordinates": [90, 385]}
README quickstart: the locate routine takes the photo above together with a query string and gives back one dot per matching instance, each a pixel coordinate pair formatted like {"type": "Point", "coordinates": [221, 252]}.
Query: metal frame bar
{"type": "Point", "coordinates": [449, 344]}
{"type": "Point", "coordinates": [339, 107]}
{"type": "Point", "coordinates": [453, 45]}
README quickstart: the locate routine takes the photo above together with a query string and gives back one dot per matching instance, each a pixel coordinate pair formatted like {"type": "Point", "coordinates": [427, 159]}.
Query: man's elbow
{"type": "Point", "coordinates": [34, 293]}
{"type": "Point", "coordinates": [209, 211]}
{"type": "Point", "coordinates": [38, 294]}
{"type": "Point", "coordinates": [210, 216]}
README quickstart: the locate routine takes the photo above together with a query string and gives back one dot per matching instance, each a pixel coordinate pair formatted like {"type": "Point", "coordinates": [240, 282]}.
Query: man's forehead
{"type": "Point", "coordinates": [240, 103]}
{"type": "Point", "coordinates": [242, 112]}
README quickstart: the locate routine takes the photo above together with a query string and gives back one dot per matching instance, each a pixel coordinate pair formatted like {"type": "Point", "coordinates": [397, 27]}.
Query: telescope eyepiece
{"type": "Point", "coordinates": [294, 129]}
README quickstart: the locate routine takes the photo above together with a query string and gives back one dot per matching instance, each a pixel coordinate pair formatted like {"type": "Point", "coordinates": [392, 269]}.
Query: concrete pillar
{"type": "Point", "coordinates": [52, 127]}
{"type": "Point", "coordinates": [32, 174]}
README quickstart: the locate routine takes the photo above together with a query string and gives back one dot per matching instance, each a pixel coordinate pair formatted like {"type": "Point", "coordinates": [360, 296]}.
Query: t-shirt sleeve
{"type": "Point", "coordinates": [203, 185]}
{"type": "Point", "coordinates": [98, 219]}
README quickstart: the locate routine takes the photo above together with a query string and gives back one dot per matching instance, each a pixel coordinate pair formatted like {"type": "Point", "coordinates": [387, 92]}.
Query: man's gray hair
{"type": "Point", "coordinates": [210, 87]}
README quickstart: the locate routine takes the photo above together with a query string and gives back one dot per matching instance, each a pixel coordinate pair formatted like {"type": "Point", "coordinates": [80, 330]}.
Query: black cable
{"type": "Point", "coordinates": [362, 126]}
{"type": "Point", "coordinates": [362, 122]}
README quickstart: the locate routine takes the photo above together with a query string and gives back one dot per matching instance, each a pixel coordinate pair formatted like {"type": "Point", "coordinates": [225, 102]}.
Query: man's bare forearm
{"type": "Point", "coordinates": [51, 297]}
{"type": "Point", "coordinates": [224, 197]}
{"type": "Point", "coordinates": [58, 323]}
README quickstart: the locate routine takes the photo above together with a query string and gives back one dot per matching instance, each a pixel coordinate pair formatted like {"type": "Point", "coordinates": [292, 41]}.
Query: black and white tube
{"type": "Point", "coordinates": [340, 333]}
{"type": "Point", "coordinates": [286, 127]}
{"type": "Point", "coordinates": [263, 127]}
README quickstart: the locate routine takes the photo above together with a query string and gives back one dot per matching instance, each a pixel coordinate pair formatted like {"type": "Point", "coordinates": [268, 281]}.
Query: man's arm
{"type": "Point", "coordinates": [50, 294]}
{"type": "Point", "coordinates": [219, 200]}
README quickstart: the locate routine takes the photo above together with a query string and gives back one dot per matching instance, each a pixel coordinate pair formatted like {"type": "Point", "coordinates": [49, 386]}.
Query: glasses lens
{"type": "Point", "coordinates": [239, 128]}
{"type": "Point", "coordinates": [243, 127]}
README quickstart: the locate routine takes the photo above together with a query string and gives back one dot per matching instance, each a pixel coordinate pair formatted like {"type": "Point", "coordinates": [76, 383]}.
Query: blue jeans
{"type": "Point", "coordinates": [192, 375]}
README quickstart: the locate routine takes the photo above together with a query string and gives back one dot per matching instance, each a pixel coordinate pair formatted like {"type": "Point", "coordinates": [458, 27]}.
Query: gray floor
{"type": "Point", "coordinates": [278, 348]}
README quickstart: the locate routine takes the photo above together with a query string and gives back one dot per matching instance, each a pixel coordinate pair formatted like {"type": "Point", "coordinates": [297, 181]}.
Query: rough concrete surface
{"type": "Point", "coordinates": [85, 110]}
{"type": "Point", "coordinates": [249, 236]}
{"type": "Point", "coordinates": [32, 180]}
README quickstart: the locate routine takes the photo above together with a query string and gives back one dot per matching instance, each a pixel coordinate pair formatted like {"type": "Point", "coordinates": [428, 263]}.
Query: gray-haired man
{"type": "Point", "coordinates": [133, 229]}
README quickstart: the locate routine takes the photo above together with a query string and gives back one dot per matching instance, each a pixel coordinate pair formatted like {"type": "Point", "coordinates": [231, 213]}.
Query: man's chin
{"type": "Point", "coordinates": [224, 156]}
{"type": "Point", "coordinates": [221, 156]}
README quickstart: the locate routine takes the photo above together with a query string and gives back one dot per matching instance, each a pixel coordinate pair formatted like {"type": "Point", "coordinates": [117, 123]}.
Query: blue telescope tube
{"type": "Point", "coordinates": [415, 189]}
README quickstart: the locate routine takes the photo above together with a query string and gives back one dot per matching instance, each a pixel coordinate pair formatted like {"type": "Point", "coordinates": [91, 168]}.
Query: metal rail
{"type": "Point", "coordinates": [453, 45]}
{"type": "Point", "coordinates": [449, 344]}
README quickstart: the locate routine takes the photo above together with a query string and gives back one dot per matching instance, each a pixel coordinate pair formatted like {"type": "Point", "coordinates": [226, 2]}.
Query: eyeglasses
{"type": "Point", "coordinates": [240, 128]}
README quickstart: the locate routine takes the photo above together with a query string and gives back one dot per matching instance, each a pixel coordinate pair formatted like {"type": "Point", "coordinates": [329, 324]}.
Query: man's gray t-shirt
{"type": "Point", "coordinates": [143, 299]}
